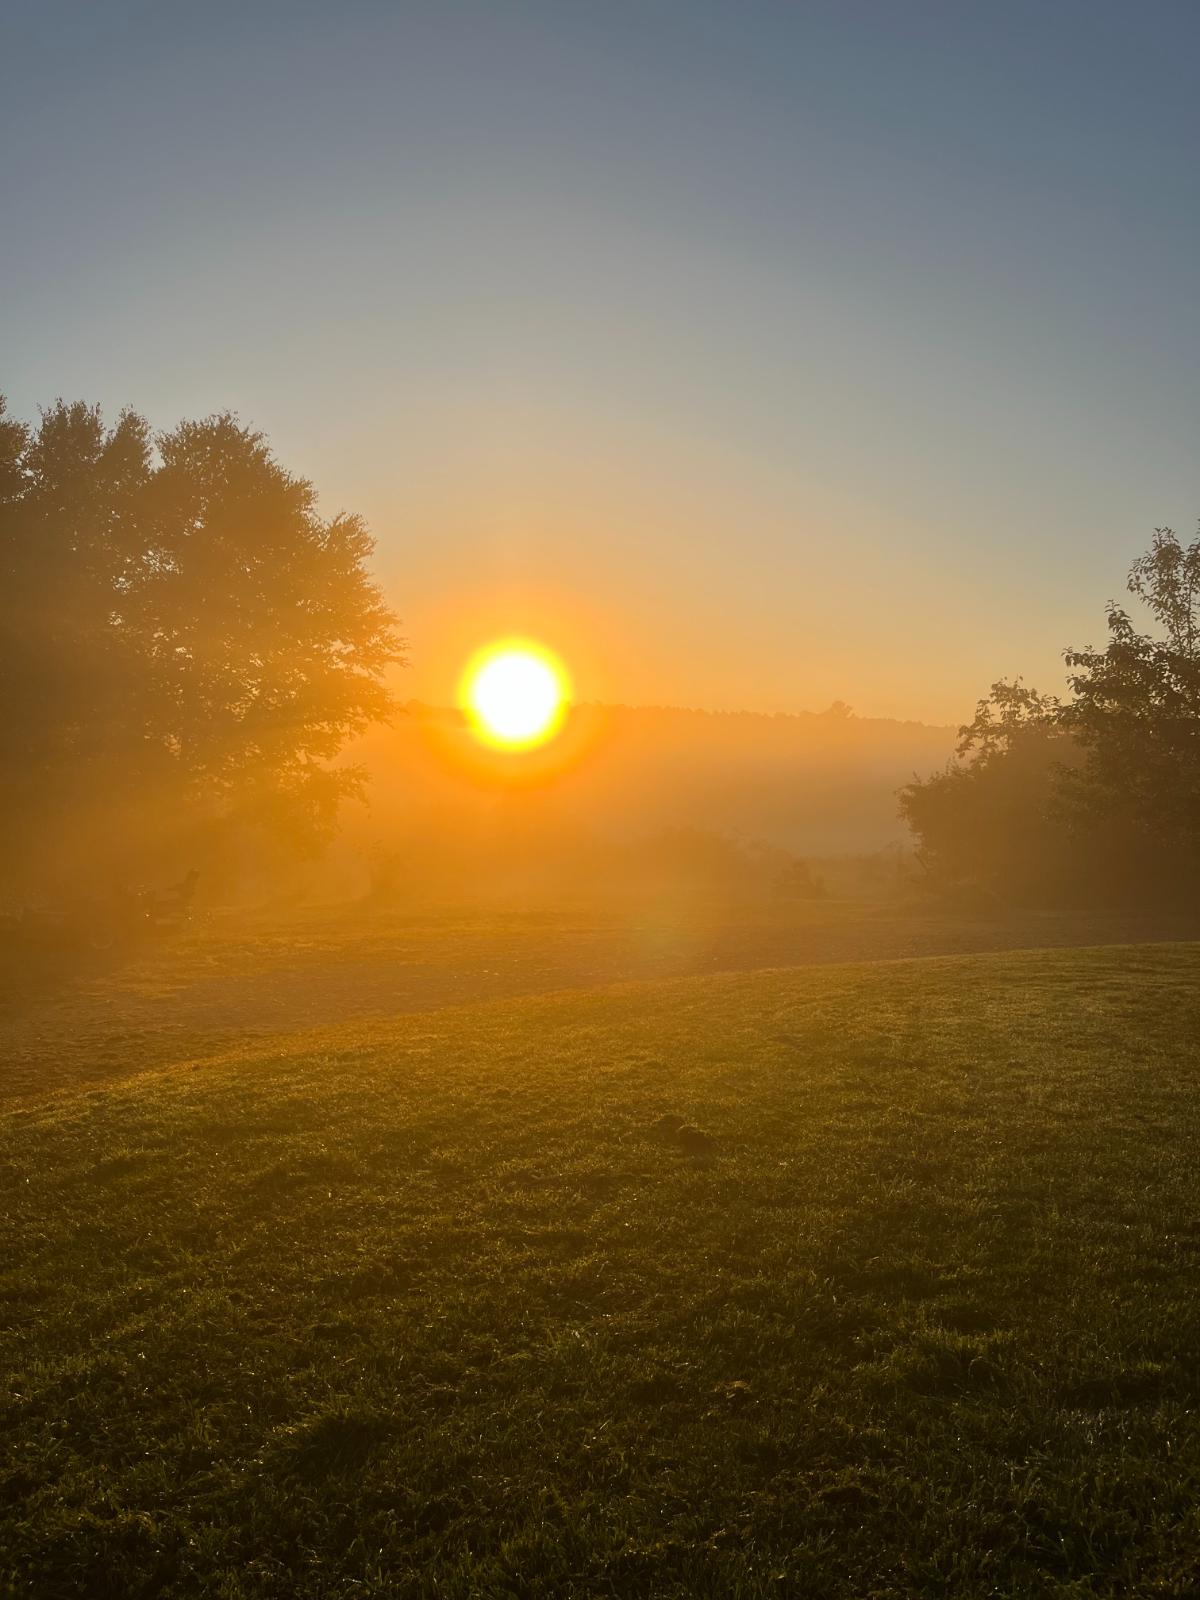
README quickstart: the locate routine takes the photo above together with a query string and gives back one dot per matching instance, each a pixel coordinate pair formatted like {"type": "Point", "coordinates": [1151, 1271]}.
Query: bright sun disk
{"type": "Point", "coordinates": [515, 694]}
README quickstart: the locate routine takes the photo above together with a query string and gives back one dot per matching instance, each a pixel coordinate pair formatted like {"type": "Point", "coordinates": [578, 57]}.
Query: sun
{"type": "Point", "coordinates": [515, 693]}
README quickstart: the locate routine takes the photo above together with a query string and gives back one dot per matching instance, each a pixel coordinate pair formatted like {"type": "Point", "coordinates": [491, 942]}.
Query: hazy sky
{"type": "Point", "coordinates": [754, 354]}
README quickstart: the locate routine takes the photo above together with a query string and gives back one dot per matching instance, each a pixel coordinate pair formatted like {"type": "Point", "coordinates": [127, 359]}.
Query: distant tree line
{"type": "Point", "coordinates": [1093, 796]}
{"type": "Point", "coordinates": [185, 646]}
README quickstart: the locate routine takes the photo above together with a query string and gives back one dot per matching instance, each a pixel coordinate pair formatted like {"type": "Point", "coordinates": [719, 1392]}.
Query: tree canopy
{"type": "Point", "coordinates": [185, 643]}
{"type": "Point", "coordinates": [1096, 795]}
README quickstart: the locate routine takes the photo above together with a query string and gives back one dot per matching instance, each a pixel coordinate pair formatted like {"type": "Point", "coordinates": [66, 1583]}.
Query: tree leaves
{"type": "Point", "coordinates": [184, 641]}
{"type": "Point", "coordinates": [1096, 795]}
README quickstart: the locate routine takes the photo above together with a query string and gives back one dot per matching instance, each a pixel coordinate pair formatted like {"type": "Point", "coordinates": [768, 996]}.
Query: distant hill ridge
{"type": "Point", "coordinates": [837, 714]}
{"type": "Point", "coordinates": [815, 782]}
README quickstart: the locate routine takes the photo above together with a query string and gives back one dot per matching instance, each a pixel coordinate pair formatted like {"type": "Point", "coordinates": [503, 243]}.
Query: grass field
{"type": "Point", "coordinates": [853, 1281]}
{"type": "Point", "coordinates": [236, 979]}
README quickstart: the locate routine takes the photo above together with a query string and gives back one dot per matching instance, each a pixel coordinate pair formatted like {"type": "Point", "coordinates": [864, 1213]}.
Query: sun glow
{"type": "Point", "coordinates": [515, 694]}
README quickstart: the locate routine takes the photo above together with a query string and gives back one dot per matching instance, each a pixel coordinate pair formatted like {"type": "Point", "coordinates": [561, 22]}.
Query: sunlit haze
{"type": "Point", "coordinates": [599, 799]}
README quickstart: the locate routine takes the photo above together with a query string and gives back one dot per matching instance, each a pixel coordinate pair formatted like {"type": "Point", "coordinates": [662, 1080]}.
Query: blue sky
{"type": "Point", "coordinates": [755, 354]}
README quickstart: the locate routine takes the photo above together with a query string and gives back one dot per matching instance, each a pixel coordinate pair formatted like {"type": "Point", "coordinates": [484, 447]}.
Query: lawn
{"type": "Point", "coordinates": [852, 1281]}
{"type": "Point", "coordinates": [236, 977]}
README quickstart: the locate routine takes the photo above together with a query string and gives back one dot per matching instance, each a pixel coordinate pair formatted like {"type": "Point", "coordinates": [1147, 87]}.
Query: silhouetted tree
{"type": "Point", "coordinates": [184, 642]}
{"type": "Point", "coordinates": [1135, 715]}
{"type": "Point", "coordinates": [987, 818]}
{"type": "Point", "coordinates": [1096, 796]}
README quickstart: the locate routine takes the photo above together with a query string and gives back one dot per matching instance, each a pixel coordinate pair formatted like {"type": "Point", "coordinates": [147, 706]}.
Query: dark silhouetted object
{"type": "Point", "coordinates": [1096, 797]}
{"type": "Point", "coordinates": [185, 645]}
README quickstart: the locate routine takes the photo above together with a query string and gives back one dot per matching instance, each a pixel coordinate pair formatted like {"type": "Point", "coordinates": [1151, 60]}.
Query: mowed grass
{"type": "Point", "coordinates": [452, 1307]}
{"type": "Point", "coordinates": [239, 978]}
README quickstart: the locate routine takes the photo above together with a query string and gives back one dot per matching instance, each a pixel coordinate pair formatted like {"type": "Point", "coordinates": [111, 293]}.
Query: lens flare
{"type": "Point", "coordinates": [515, 694]}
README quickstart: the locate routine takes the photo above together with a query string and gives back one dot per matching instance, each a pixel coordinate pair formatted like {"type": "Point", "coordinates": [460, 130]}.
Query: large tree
{"type": "Point", "coordinates": [1135, 708]}
{"type": "Point", "coordinates": [185, 643]}
{"type": "Point", "coordinates": [1096, 795]}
